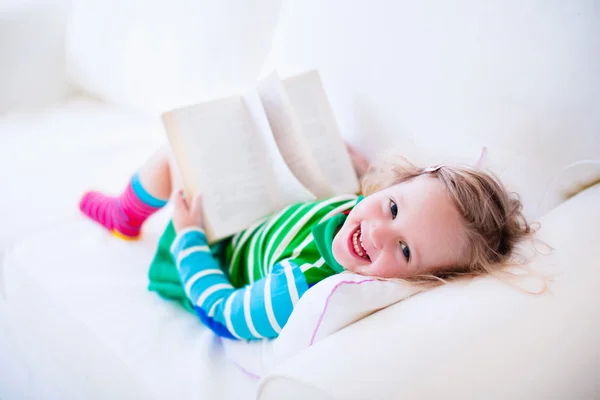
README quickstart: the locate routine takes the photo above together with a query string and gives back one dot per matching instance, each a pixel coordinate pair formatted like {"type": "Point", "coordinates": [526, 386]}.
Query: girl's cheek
{"type": "Point", "coordinates": [394, 267]}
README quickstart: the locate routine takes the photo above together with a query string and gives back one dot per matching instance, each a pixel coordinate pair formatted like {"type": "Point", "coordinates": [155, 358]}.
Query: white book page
{"type": "Point", "coordinates": [220, 154]}
{"type": "Point", "coordinates": [309, 101]}
{"type": "Point", "coordinates": [289, 137]}
{"type": "Point", "coordinates": [289, 189]}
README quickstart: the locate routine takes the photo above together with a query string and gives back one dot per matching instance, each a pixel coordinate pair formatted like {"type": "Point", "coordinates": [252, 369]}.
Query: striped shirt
{"type": "Point", "coordinates": [269, 266]}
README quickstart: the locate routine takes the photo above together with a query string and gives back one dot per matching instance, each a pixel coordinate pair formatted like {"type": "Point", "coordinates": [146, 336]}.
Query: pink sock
{"type": "Point", "coordinates": [122, 215]}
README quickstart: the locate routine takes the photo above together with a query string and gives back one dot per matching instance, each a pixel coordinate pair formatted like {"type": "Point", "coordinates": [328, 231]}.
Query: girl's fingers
{"type": "Point", "coordinates": [180, 200]}
{"type": "Point", "coordinates": [196, 208]}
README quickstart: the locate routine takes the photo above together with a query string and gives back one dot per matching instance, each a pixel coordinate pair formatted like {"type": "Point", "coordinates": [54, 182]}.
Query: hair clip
{"type": "Point", "coordinates": [433, 168]}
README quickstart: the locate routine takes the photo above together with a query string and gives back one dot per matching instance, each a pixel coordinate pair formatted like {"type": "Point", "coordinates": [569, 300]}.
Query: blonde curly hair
{"type": "Point", "coordinates": [492, 217]}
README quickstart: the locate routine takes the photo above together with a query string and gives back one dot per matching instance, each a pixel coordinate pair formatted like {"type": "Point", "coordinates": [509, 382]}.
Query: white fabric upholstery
{"type": "Point", "coordinates": [328, 307]}
{"type": "Point", "coordinates": [49, 157]}
{"type": "Point", "coordinates": [438, 80]}
{"type": "Point", "coordinates": [478, 340]}
{"type": "Point", "coordinates": [442, 79]}
{"type": "Point", "coordinates": [154, 57]}
{"type": "Point", "coordinates": [73, 291]}
{"type": "Point", "coordinates": [32, 37]}
{"type": "Point", "coordinates": [80, 319]}
{"type": "Point", "coordinates": [81, 295]}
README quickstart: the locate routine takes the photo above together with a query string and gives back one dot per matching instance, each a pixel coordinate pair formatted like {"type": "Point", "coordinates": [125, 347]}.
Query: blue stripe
{"type": "Point", "coordinates": [238, 320]}
{"type": "Point", "coordinates": [189, 239]}
{"type": "Point", "coordinates": [143, 194]}
{"type": "Point", "coordinates": [196, 262]}
{"type": "Point", "coordinates": [215, 326]}
{"type": "Point", "coordinates": [204, 283]}
{"type": "Point", "coordinates": [278, 291]}
{"type": "Point", "coordinates": [259, 311]}
{"type": "Point", "coordinates": [299, 280]}
{"type": "Point", "coordinates": [280, 295]}
{"type": "Point", "coordinates": [211, 299]}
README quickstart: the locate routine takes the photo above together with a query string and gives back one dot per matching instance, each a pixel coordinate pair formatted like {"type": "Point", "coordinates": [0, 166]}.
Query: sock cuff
{"type": "Point", "coordinates": [144, 196]}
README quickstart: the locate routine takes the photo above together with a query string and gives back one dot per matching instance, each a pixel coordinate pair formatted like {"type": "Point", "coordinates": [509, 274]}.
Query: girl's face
{"type": "Point", "coordinates": [408, 229]}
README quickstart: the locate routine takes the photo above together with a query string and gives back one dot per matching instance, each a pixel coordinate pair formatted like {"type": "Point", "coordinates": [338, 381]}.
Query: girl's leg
{"type": "Point", "coordinates": [155, 174]}
{"type": "Point", "coordinates": [148, 190]}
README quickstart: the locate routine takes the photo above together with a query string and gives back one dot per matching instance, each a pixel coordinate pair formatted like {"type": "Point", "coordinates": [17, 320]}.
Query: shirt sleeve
{"type": "Point", "coordinates": [259, 310]}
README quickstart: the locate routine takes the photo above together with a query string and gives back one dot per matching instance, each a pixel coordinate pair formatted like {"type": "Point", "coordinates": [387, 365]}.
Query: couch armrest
{"type": "Point", "coordinates": [473, 340]}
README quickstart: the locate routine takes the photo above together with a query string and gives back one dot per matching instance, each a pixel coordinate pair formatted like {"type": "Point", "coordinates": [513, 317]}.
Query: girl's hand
{"type": "Point", "coordinates": [186, 215]}
{"type": "Point", "coordinates": [360, 162]}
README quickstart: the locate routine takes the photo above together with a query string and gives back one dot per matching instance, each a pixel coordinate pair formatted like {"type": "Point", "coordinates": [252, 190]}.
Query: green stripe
{"type": "Point", "coordinates": [277, 238]}
{"type": "Point", "coordinates": [297, 230]}
{"type": "Point", "coordinates": [256, 252]}
{"type": "Point", "coordinates": [314, 274]}
{"type": "Point", "coordinates": [283, 230]}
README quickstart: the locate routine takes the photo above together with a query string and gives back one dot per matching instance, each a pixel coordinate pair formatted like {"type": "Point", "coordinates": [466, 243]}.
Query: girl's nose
{"type": "Point", "coordinates": [380, 234]}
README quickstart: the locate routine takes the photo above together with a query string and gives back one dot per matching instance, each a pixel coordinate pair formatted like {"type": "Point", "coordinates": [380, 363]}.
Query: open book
{"type": "Point", "coordinates": [250, 156]}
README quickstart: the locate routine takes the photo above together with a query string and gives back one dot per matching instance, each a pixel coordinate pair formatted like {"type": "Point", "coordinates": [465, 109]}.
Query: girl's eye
{"type": "Point", "coordinates": [393, 209]}
{"type": "Point", "coordinates": [405, 251]}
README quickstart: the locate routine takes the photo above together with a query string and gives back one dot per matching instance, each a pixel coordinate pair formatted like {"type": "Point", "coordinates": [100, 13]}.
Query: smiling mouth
{"type": "Point", "coordinates": [357, 245]}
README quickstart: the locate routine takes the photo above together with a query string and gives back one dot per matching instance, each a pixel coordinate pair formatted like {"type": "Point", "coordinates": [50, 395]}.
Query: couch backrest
{"type": "Point", "coordinates": [32, 37]}
{"type": "Point", "coordinates": [443, 79]}
{"type": "Point", "coordinates": [154, 55]}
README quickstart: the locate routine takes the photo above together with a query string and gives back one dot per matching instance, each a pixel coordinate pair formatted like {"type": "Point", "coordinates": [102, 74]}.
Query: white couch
{"type": "Point", "coordinates": [80, 98]}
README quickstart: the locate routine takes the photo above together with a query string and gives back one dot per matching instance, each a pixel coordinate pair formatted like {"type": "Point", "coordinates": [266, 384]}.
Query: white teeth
{"type": "Point", "coordinates": [359, 248]}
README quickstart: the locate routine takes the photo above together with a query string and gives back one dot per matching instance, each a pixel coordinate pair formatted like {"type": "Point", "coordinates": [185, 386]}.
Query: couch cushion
{"type": "Point", "coordinates": [82, 296]}
{"type": "Point", "coordinates": [481, 339]}
{"type": "Point", "coordinates": [87, 325]}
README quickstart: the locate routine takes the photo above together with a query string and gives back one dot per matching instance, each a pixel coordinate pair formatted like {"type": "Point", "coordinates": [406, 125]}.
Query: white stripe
{"type": "Point", "coordinates": [257, 239]}
{"type": "Point", "coordinates": [307, 266]}
{"type": "Point", "coordinates": [250, 260]}
{"type": "Point", "coordinates": [227, 315]}
{"type": "Point", "coordinates": [211, 290]}
{"type": "Point", "coordinates": [198, 275]}
{"type": "Point", "coordinates": [289, 276]}
{"type": "Point", "coordinates": [274, 237]}
{"type": "Point", "coordinates": [310, 238]}
{"type": "Point", "coordinates": [302, 245]}
{"type": "Point", "coordinates": [294, 231]}
{"type": "Point", "coordinates": [248, 316]}
{"type": "Point", "coordinates": [348, 204]}
{"type": "Point", "coordinates": [182, 233]}
{"type": "Point", "coordinates": [236, 237]}
{"type": "Point", "coordinates": [338, 210]}
{"type": "Point", "coordinates": [191, 250]}
{"type": "Point", "coordinates": [211, 312]}
{"type": "Point", "coordinates": [269, 306]}
{"type": "Point", "coordinates": [330, 214]}
{"type": "Point", "coordinates": [238, 246]}
{"type": "Point", "coordinates": [266, 228]}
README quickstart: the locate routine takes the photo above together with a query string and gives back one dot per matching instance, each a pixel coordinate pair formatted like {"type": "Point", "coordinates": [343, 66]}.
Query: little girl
{"type": "Point", "coordinates": [425, 225]}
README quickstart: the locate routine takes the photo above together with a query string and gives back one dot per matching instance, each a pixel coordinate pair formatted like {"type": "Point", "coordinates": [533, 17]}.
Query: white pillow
{"type": "Point", "coordinates": [326, 308]}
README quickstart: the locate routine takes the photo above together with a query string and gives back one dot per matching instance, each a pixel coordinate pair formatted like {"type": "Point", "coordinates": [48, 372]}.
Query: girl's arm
{"type": "Point", "coordinates": [259, 310]}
